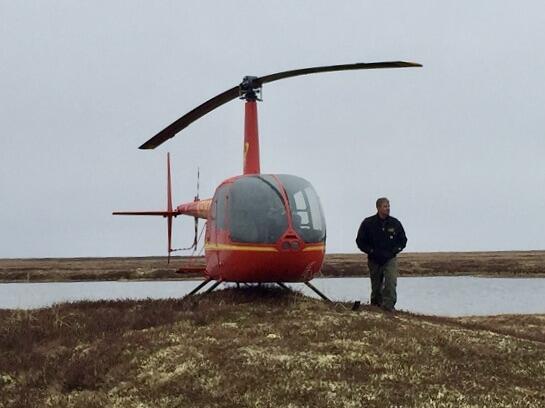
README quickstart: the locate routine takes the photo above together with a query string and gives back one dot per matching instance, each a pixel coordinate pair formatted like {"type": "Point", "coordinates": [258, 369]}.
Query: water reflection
{"type": "Point", "coordinates": [445, 296]}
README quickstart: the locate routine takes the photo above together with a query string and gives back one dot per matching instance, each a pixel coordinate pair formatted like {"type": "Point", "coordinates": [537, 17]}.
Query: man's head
{"type": "Point", "coordinates": [383, 207]}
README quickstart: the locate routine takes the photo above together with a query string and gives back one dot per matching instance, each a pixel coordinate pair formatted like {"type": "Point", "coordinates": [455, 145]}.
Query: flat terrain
{"type": "Point", "coordinates": [508, 263]}
{"type": "Point", "coordinates": [265, 347]}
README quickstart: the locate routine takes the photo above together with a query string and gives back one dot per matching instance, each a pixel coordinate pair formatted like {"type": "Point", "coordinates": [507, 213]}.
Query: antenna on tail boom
{"type": "Point", "coordinates": [195, 239]}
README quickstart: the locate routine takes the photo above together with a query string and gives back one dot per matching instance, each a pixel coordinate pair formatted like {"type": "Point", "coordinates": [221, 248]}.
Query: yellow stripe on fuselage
{"type": "Point", "coordinates": [227, 247]}
{"type": "Point", "coordinates": [314, 248]}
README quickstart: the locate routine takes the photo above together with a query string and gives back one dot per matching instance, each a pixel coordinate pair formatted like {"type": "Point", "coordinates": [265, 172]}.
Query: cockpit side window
{"type": "Point", "coordinates": [306, 211]}
{"type": "Point", "coordinates": [219, 207]}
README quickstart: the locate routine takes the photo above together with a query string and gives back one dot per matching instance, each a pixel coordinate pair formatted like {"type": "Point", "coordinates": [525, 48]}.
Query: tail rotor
{"type": "Point", "coordinates": [169, 208]}
{"type": "Point", "coordinates": [191, 209]}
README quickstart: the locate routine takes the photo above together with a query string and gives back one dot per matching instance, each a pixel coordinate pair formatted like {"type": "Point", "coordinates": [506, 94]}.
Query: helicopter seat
{"type": "Point", "coordinates": [296, 220]}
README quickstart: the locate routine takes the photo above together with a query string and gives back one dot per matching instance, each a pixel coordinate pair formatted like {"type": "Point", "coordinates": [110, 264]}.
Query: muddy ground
{"type": "Point", "coordinates": [507, 263]}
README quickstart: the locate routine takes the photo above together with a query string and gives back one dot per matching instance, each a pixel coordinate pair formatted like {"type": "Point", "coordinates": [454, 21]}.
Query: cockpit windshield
{"type": "Point", "coordinates": [256, 213]}
{"type": "Point", "coordinates": [256, 210]}
{"type": "Point", "coordinates": [306, 211]}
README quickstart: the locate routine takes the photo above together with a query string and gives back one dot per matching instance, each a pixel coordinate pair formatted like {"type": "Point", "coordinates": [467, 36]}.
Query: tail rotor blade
{"type": "Point", "coordinates": [169, 207]}
{"type": "Point", "coordinates": [169, 213]}
{"type": "Point", "coordinates": [169, 228]}
{"type": "Point", "coordinates": [169, 185]}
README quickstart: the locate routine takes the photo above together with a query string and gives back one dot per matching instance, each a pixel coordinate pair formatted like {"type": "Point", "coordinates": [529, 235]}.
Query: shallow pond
{"type": "Point", "coordinates": [445, 296]}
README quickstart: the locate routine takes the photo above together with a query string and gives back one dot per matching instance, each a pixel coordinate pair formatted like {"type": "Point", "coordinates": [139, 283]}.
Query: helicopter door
{"type": "Point", "coordinates": [219, 216]}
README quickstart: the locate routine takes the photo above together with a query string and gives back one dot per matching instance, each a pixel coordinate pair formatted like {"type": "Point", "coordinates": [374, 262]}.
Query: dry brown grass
{"type": "Point", "coordinates": [505, 263]}
{"type": "Point", "coordinates": [530, 327]}
{"type": "Point", "coordinates": [509, 263]}
{"type": "Point", "coordinates": [263, 347]}
{"type": "Point", "coordinates": [84, 269]}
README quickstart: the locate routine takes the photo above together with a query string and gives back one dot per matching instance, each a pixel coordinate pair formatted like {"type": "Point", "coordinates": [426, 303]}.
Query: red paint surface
{"type": "Point", "coordinates": [251, 139]}
{"type": "Point", "coordinates": [197, 209]}
{"type": "Point", "coordinates": [243, 262]}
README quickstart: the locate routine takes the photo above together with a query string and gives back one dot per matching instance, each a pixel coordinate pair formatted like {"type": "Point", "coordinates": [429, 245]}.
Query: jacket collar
{"type": "Point", "coordinates": [381, 219]}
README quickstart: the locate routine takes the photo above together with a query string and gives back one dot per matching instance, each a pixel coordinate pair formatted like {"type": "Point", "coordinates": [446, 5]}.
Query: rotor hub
{"type": "Point", "coordinates": [250, 89]}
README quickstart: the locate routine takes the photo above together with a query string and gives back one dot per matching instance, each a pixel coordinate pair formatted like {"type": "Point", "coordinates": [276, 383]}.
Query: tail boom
{"type": "Point", "coordinates": [198, 209]}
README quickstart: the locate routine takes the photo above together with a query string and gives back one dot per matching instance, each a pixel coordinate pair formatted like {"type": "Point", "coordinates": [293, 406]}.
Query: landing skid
{"type": "Point", "coordinates": [199, 287]}
{"type": "Point", "coordinates": [281, 284]}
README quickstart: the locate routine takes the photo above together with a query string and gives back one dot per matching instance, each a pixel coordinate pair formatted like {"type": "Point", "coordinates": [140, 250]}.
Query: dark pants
{"type": "Point", "coordinates": [383, 283]}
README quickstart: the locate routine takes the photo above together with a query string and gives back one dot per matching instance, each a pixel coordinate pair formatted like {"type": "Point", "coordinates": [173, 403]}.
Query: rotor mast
{"type": "Point", "coordinates": [250, 91]}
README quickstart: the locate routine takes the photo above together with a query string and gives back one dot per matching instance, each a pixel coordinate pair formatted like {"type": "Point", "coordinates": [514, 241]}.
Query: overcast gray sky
{"type": "Point", "coordinates": [457, 145]}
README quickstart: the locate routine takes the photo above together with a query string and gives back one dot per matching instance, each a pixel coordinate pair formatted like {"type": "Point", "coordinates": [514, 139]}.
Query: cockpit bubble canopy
{"type": "Point", "coordinates": [257, 213]}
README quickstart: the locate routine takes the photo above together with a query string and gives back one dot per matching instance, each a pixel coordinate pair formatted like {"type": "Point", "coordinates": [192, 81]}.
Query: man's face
{"type": "Point", "coordinates": [384, 209]}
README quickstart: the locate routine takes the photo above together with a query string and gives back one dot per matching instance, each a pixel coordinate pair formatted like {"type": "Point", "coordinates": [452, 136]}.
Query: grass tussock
{"type": "Point", "coordinates": [264, 347]}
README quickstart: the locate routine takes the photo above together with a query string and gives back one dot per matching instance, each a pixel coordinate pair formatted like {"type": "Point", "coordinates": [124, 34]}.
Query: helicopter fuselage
{"type": "Point", "coordinates": [262, 228]}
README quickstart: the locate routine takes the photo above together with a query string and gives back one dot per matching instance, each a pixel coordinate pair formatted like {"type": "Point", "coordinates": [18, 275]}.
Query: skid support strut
{"type": "Point", "coordinates": [311, 286]}
{"type": "Point", "coordinates": [282, 285]}
{"type": "Point", "coordinates": [201, 285]}
{"type": "Point", "coordinates": [214, 286]}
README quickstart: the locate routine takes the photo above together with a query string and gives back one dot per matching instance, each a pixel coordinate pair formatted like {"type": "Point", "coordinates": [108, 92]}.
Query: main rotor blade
{"type": "Point", "coordinates": [218, 100]}
{"type": "Point", "coordinates": [190, 117]}
{"type": "Point", "coordinates": [332, 68]}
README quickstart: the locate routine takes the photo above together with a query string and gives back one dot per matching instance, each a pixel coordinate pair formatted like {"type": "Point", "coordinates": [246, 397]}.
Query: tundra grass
{"type": "Point", "coordinates": [507, 263]}
{"type": "Point", "coordinates": [264, 347]}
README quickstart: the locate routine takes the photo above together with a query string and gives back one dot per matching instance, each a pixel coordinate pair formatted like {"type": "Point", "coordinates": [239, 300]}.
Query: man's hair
{"type": "Point", "coordinates": [381, 201]}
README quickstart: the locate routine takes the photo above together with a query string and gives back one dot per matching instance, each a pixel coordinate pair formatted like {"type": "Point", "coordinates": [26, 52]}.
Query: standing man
{"type": "Point", "coordinates": [382, 237]}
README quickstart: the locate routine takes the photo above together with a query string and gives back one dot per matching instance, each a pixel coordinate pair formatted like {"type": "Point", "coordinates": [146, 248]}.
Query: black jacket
{"type": "Point", "coordinates": [381, 239]}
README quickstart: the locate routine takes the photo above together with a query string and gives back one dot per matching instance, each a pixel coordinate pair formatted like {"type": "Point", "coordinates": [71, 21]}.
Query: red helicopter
{"type": "Point", "coordinates": [259, 227]}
